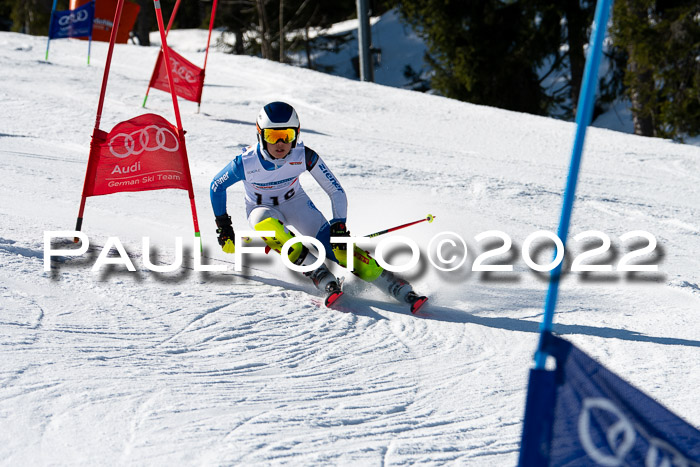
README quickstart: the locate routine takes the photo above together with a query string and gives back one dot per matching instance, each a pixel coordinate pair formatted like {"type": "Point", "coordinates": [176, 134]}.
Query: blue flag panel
{"type": "Point", "coordinates": [73, 23]}
{"type": "Point", "coordinates": [582, 414]}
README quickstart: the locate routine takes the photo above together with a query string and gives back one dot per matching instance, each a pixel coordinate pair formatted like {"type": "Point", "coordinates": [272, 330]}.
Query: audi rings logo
{"type": "Point", "coordinates": [621, 437]}
{"type": "Point", "coordinates": [620, 434]}
{"type": "Point", "coordinates": [181, 71]}
{"type": "Point", "coordinates": [150, 138]}
{"type": "Point", "coordinates": [77, 17]}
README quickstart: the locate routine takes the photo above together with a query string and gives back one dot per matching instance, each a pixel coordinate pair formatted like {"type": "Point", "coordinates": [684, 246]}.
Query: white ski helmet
{"type": "Point", "coordinates": [277, 115]}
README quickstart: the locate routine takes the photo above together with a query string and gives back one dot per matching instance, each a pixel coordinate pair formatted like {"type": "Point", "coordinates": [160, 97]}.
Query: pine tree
{"type": "Point", "coordinates": [190, 15]}
{"type": "Point", "coordinates": [482, 51]}
{"type": "Point", "coordinates": [679, 94]}
{"type": "Point", "coordinates": [5, 15]}
{"type": "Point", "coordinates": [661, 40]}
{"type": "Point", "coordinates": [278, 26]}
{"type": "Point", "coordinates": [145, 21]}
{"type": "Point", "coordinates": [499, 53]}
{"type": "Point", "coordinates": [575, 18]}
{"type": "Point", "coordinates": [33, 16]}
{"type": "Point", "coordinates": [634, 33]}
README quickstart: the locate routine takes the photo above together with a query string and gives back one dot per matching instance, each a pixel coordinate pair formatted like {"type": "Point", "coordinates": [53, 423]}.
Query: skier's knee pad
{"type": "Point", "coordinates": [296, 253]}
{"type": "Point", "coordinates": [364, 266]}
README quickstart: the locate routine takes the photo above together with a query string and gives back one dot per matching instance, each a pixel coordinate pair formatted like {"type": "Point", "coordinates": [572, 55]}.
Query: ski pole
{"type": "Point", "coordinates": [428, 218]}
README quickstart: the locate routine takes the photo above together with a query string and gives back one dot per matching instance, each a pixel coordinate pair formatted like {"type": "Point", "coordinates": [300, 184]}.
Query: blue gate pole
{"type": "Point", "coordinates": [583, 119]}
{"type": "Point", "coordinates": [92, 26]}
{"type": "Point", "coordinates": [48, 42]}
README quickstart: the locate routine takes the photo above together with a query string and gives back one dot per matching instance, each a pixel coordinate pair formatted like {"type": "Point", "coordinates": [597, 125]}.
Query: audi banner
{"type": "Point", "coordinates": [144, 153]}
{"type": "Point", "coordinates": [582, 414]}
{"type": "Point", "coordinates": [72, 23]}
{"type": "Point", "coordinates": [188, 79]}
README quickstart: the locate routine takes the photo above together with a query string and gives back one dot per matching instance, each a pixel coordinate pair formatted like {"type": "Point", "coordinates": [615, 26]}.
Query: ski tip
{"type": "Point", "coordinates": [416, 305]}
{"type": "Point", "coordinates": [332, 298]}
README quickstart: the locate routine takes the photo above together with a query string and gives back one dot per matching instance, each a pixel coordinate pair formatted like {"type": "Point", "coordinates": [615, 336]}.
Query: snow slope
{"type": "Point", "coordinates": [399, 47]}
{"type": "Point", "coordinates": [115, 367]}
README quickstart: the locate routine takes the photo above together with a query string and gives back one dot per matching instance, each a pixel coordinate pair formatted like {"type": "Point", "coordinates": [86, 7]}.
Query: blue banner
{"type": "Point", "coordinates": [73, 23]}
{"type": "Point", "coordinates": [582, 414]}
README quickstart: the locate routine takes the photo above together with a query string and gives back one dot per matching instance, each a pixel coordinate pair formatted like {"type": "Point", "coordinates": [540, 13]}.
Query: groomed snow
{"type": "Point", "coordinates": [249, 368]}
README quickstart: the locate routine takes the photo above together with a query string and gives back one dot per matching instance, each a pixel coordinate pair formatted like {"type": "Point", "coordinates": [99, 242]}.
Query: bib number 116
{"type": "Point", "coordinates": [275, 199]}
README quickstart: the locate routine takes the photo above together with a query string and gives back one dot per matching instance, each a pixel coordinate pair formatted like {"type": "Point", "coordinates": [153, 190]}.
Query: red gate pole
{"type": "Point", "coordinates": [206, 54]}
{"type": "Point", "coordinates": [181, 132]}
{"type": "Point", "coordinates": [155, 68]}
{"type": "Point", "coordinates": [96, 132]}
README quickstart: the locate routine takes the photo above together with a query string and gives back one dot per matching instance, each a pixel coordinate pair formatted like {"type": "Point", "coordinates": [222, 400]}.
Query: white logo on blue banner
{"type": "Point", "coordinates": [582, 414]}
{"type": "Point", "coordinates": [619, 436]}
{"type": "Point", "coordinates": [73, 23]}
{"type": "Point", "coordinates": [74, 17]}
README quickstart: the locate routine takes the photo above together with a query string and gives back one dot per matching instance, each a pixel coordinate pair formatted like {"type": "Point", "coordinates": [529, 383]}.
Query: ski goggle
{"type": "Point", "coordinates": [272, 135]}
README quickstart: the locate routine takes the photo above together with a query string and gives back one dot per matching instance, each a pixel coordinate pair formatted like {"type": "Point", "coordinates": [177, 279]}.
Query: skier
{"type": "Point", "coordinates": [270, 173]}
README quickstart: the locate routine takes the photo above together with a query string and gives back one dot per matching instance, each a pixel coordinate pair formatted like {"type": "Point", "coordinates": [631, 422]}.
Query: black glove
{"type": "Point", "coordinates": [226, 234]}
{"type": "Point", "coordinates": [339, 229]}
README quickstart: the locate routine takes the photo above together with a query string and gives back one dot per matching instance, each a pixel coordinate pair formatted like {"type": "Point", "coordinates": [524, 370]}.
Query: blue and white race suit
{"type": "Point", "coordinates": [272, 191]}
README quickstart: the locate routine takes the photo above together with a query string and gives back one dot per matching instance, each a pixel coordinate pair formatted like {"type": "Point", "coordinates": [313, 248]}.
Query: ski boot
{"type": "Point", "coordinates": [400, 289]}
{"type": "Point", "coordinates": [322, 278]}
{"type": "Point", "coordinates": [416, 301]}
{"type": "Point", "coordinates": [325, 281]}
{"type": "Point", "coordinates": [333, 292]}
